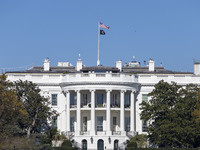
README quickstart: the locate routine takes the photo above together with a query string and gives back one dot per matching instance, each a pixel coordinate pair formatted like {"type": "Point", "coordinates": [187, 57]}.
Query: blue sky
{"type": "Point", "coordinates": [167, 31]}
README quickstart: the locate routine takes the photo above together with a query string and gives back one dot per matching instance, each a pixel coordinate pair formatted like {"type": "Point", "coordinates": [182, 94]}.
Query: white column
{"type": "Point", "coordinates": [132, 112]}
{"type": "Point", "coordinates": [78, 113]}
{"type": "Point", "coordinates": [108, 131]}
{"type": "Point", "coordinates": [68, 110]}
{"type": "Point", "coordinates": [122, 112]}
{"type": "Point", "coordinates": [92, 131]}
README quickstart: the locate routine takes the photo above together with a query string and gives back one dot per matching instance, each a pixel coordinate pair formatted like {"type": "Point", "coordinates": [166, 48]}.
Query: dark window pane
{"type": "Point", "coordinates": [54, 99]}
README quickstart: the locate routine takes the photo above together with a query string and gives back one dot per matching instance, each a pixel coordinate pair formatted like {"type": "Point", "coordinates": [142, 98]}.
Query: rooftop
{"type": "Point", "coordinates": [125, 69]}
{"type": "Point", "coordinates": [131, 67]}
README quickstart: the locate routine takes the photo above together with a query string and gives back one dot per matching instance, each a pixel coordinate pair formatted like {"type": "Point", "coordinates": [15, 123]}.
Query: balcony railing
{"type": "Point", "coordinates": [86, 105]}
{"type": "Point", "coordinates": [100, 105]}
{"type": "Point", "coordinates": [131, 134]}
{"type": "Point", "coordinates": [73, 106]}
{"type": "Point", "coordinates": [115, 105]}
{"type": "Point", "coordinates": [100, 77]}
{"type": "Point", "coordinates": [85, 132]}
{"type": "Point", "coordinates": [116, 133]}
{"type": "Point", "coordinates": [69, 134]}
{"type": "Point", "coordinates": [101, 132]}
{"type": "Point", "coordinates": [127, 106]}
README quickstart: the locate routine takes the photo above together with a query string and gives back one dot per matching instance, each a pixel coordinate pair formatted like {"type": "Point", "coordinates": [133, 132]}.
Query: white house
{"type": "Point", "coordinates": [99, 105]}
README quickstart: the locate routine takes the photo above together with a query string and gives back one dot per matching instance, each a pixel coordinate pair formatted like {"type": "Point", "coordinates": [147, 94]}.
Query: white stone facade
{"type": "Point", "coordinates": [99, 106]}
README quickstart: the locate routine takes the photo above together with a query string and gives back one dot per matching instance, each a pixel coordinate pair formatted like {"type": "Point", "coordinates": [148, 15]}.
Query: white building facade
{"type": "Point", "coordinates": [99, 106]}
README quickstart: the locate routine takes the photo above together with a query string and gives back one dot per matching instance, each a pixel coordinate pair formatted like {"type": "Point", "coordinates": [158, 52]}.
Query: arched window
{"type": "Point", "coordinates": [84, 144]}
{"type": "Point", "coordinates": [116, 145]}
{"type": "Point", "coordinates": [100, 145]}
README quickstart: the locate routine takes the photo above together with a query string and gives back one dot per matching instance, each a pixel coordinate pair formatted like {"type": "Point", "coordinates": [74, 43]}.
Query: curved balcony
{"type": "Point", "coordinates": [109, 78]}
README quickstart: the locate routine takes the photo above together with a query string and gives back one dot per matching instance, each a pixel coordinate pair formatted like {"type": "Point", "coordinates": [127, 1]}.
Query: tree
{"type": "Point", "coordinates": [169, 113]}
{"type": "Point", "coordinates": [189, 102]}
{"type": "Point", "coordinates": [140, 140]}
{"type": "Point", "coordinates": [37, 106]}
{"type": "Point", "coordinates": [196, 112]}
{"type": "Point", "coordinates": [12, 111]}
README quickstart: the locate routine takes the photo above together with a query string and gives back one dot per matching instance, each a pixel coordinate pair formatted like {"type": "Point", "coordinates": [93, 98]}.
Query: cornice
{"type": "Point", "coordinates": [48, 84]}
{"type": "Point", "coordinates": [98, 83]}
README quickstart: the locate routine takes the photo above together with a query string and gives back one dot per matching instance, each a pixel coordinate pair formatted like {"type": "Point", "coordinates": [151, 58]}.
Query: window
{"type": "Point", "coordinates": [84, 145]}
{"type": "Point", "coordinates": [100, 145]}
{"type": "Point", "coordinates": [72, 124]}
{"type": "Point", "coordinates": [84, 124]}
{"type": "Point", "coordinates": [127, 100]}
{"type": "Point", "coordinates": [85, 99]}
{"type": "Point", "coordinates": [54, 122]}
{"type": "Point", "coordinates": [100, 123]}
{"type": "Point", "coordinates": [115, 102]}
{"type": "Point", "coordinates": [144, 97]}
{"type": "Point", "coordinates": [144, 123]}
{"type": "Point", "coordinates": [127, 124]}
{"type": "Point", "coordinates": [54, 99]}
{"type": "Point", "coordinates": [144, 126]}
{"type": "Point", "coordinates": [114, 124]}
{"type": "Point", "coordinates": [116, 145]}
{"type": "Point", "coordinates": [72, 99]}
{"type": "Point", "coordinates": [100, 99]}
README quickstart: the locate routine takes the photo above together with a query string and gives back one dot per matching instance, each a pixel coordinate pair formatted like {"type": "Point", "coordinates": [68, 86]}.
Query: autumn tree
{"type": "Point", "coordinates": [37, 106]}
{"type": "Point", "coordinates": [169, 113]}
{"type": "Point", "coordinates": [12, 112]}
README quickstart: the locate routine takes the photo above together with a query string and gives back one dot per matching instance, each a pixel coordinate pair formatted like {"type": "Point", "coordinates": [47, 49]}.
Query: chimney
{"type": "Point", "coordinates": [46, 64]}
{"type": "Point", "coordinates": [119, 65]}
{"type": "Point", "coordinates": [79, 64]}
{"type": "Point", "coordinates": [151, 65]}
{"type": "Point", "coordinates": [197, 68]}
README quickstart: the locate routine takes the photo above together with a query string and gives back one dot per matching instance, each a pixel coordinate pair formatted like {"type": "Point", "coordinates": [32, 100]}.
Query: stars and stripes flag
{"type": "Point", "coordinates": [103, 26]}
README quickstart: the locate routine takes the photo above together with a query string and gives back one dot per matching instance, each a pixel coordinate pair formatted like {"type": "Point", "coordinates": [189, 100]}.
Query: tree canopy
{"type": "Point", "coordinates": [37, 106]}
{"type": "Point", "coordinates": [22, 108]}
{"type": "Point", "coordinates": [172, 115]}
{"type": "Point", "coordinates": [12, 112]}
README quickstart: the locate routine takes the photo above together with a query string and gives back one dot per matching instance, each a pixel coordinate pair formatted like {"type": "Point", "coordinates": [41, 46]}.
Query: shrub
{"type": "Point", "coordinates": [132, 145]}
{"type": "Point", "coordinates": [66, 144]}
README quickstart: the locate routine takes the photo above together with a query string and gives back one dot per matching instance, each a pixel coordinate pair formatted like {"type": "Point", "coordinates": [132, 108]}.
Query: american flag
{"type": "Point", "coordinates": [103, 26]}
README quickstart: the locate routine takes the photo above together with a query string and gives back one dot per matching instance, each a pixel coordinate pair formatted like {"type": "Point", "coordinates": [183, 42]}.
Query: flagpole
{"type": "Point", "coordinates": [98, 61]}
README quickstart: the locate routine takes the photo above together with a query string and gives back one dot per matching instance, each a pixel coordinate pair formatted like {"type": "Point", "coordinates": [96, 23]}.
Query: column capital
{"type": "Point", "coordinates": [133, 91]}
{"type": "Point", "coordinates": [92, 90]}
{"type": "Point", "coordinates": [64, 92]}
{"type": "Point", "coordinates": [123, 91]}
{"type": "Point", "coordinates": [108, 90]}
{"type": "Point", "coordinates": [77, 91]}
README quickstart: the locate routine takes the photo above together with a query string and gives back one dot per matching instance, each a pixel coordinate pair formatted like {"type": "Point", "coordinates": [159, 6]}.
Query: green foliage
{"type": "Point", "coordinates": [12, 111]}
{"type": "Point", "coordinates": [162, 149]}
{"type": "Point", "coordinates": [24, 111]}
{"type": "Point", "coordinates": [139, 141]}
{"type": "Point", "coordinates": [61, 148]}
{"type": "Point", "coordinates": [66, 144]}
{"type": "Point", "coordinates": [169, 113]}
{"type": "Point", "coordinates": [17, 143]}
{"type": "Point", "coordinates": [59, 137]}
{"type": "Point", "coordinates": [100, 105]}
{"type": "Point", "coordinates": [132, 144]}
{"type": "Point", "coordinates": [49, 135]}
{"type": "Point", "coordinates": [36, 105]}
